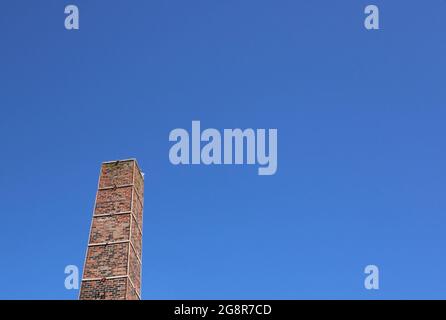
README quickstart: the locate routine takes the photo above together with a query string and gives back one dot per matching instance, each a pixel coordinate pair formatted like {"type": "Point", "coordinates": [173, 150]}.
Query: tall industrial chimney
{"type": "Point", "coordinates": [112, 269]}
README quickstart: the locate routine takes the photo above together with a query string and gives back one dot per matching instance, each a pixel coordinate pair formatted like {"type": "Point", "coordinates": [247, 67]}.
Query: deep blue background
{"type": "Point", "coordinates": [361, 121]}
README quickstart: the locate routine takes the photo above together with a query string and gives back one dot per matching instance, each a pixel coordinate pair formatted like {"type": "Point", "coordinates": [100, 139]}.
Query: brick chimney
{"type": "Point", "coordinates": [112, 269]}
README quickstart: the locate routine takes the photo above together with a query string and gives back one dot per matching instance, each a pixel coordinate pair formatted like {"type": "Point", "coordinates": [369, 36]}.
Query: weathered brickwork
{"type": "Point", "coordinates": [110, 228]}
{"type": "Point", "coordinates": [137, 208]}
{"type": "Point", "coordinates": [135, 270]}
{"type": "Point", "coordinates": [106, 289]}
{"type": "Point", "coordinates": [106, 261]}
{"type": "Point", "coordinates": [115, 200]}
{"type": "Point", "coordinates": [131, 292]}
{"type": "Point", "coordinates": [112, 269]}
{"type": "Point", "coordinates": [136, 237]}
{"type": "Point", "coordinates": [116, 174]}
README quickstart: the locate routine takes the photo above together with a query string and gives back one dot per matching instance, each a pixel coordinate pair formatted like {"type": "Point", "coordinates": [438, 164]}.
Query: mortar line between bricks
{"type": "Point", "coordinates": [111, 214]}
{"type": "Point", "coordinates": [115, 187]}
{"type": "Point", "coordinates": [106, 278]}
{"type": "Point", "coordinates": [107, 243]}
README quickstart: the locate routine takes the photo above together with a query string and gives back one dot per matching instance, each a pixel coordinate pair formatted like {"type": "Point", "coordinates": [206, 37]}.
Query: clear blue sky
{"type": "Point", "coordinates": [361, 121]}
